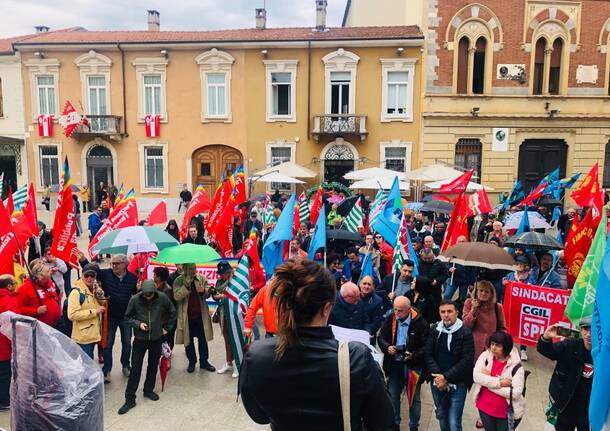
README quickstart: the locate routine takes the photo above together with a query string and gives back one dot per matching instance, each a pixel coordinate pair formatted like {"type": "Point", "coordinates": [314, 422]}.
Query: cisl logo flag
{"type": "Point", "coordinates": [153, 123]}
{"type": "Point", "coordinates": [45, 125]}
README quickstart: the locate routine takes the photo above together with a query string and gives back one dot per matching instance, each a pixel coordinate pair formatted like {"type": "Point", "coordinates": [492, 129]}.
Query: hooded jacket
{"type": "Point", "coordinates": [82, 311]}
{"type": "Point", "coordinates": [158, 314]}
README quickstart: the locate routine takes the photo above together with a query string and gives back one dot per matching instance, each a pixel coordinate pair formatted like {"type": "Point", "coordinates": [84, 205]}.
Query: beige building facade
{"type": "Point", "coordinates": [330, 99]}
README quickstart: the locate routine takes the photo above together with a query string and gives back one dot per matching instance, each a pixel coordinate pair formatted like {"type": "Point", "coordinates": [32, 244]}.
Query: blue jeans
{"type": "Point", "coordinates": [451, 288]}
{"type": "Point", "coordinates": [125, 329]}
{"type": "Point", "coordinates": [88, 349]}
{"type": "Point", "coordinates": [449, 407]}
{"type": "Point", "coordinates": [397, 382]}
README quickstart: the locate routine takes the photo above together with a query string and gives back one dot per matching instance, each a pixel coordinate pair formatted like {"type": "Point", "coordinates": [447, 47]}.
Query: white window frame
{"type": "Point", "coordinates": [281, 66]}
{"type": "Point", "coordinates": [37, 146]}
{"type": "Point", "coordinates": [94, 64]}
{"type": "Point", "coordinates": [42, 67]}
{"type": "Point", "coordinates": [151, 66]}
{"type": "Point", "coordinates": [396, 143]}
{"type": "Point", "coordinates": [397, 65]}
{"type": "Point", "coordinates": [340, 61]}
{"type": "Point", "coordinates": [215, 62]}
{"type": "Point", "coordinates": [142, 150]}
{"type": "Point", "coordinates": [280, 144]}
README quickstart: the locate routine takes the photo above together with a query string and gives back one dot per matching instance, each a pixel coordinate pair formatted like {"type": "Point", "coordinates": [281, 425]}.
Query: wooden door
{"type": "Point", "coordinates": [213, 162]}
{"type": "Point", "coordinates": [538, 157]}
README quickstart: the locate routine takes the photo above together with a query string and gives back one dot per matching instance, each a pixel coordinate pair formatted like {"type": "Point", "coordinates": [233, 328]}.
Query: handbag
{"type": "Point", "coordinates": [344, 383]}
{"type": "Point", "coordinates": [216, 315]}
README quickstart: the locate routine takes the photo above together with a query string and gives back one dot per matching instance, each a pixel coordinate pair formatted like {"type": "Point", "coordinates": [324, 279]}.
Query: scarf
{"type": "Point", "coordinates": [441, 328]}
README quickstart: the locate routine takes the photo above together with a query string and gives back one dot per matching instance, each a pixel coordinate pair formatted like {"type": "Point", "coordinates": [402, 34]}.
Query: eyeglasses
{"type": "Point", "coordinates": [88, 275]}
{"type": "Point", "coordinates": [378, 236]}
{"type": "Point", "coordinates": [116, 263]}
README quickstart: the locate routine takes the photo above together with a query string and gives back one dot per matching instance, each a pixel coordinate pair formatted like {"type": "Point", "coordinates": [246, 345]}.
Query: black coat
{"type": "Point", "coordinates": [462, 351]}
{"type": "Point", "coordinates": [373, 307]}
{"type": "Point", "coordinates": [300, 391]}
{"type": "Point", "coordinates": [435, 270]}
{"type": "Point", "coordinates": [570, 357]}
{"type": "Point", "coordinates": [416, 344]}
{"type": "Point", "coordinates": [347, 315]}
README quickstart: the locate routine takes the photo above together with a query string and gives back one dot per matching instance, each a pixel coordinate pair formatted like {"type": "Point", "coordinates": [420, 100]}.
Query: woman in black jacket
{"type": "Point", "coordinates": [423, 299]}
{"type": "Point", "coordinates": [292, 381]}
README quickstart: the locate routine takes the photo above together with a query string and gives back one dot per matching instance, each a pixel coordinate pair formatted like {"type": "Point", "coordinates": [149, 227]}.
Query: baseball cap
{"type": "Point", "coordinates": [223, 267]}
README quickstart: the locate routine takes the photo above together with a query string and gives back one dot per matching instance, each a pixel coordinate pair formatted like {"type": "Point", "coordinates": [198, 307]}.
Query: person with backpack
{"type": "Point", "coordinates": [483, 315]}
{"type": "Point", "coordinates": [499, 384]}
{"type": "Point", "coordinates": [86, 306]}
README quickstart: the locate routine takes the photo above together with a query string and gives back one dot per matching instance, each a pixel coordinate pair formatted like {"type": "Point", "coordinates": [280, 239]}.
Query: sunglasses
{"type": "Point", "coordinates": [89, 275]}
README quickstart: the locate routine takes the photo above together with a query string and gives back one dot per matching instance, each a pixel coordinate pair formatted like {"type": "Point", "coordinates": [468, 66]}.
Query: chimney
{"type": "Point", "coordinates": [321, 15]}
{"type": "Point", "coordinates": [154, 20]}
{"type": "Point", "coordinates": [41, 29]}
{"type": "Point", "coordinates": [261, 18]}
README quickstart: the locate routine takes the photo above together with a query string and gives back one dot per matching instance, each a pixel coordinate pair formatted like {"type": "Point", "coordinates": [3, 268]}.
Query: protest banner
{"type": "Point", "coordinates": [530, 309]}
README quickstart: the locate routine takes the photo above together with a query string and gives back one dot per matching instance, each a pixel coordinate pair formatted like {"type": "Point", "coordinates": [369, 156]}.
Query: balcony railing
{"type": "Point", "coordinates": [101, 126]}
{"type": "Point", "coordinates": [337, 125]}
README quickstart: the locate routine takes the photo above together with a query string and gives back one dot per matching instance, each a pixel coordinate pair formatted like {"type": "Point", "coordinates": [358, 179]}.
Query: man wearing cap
{"type": "Point", "coordinates": [545, 274]}
{"type": "Point", "coordinates": [151, 315]}
{"type": "Point", "coordinates": [252, 222]}
{"type": "Point", "coordinates": [570, 386]}
{"type": "Point", "coordinates": [225, 273]}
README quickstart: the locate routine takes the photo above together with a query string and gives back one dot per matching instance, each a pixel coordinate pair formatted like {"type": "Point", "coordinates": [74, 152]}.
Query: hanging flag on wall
{"type": "Point", "coordinates": [153, 125]}
{"type": "Point", "coordinates": [45, 125]}
{"type": "Point", "coordinates": [70, 119]}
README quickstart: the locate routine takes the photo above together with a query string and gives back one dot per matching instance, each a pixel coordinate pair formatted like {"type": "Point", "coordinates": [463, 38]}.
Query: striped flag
{"type": "Point", "coordinates": [403, 249]}
{"type": "Point", "coordinates": [355, 216]}
{"type": "Point", "coordinates": [20, 196]}
{"type": "Point", "coordinates": [1, 182]}
{"type": "Point", "coordinates": [304, 212]}
{"type": "Point", "coordinates": [238, 299]}
{"type": "Point", "coordinates": [268, 216]}
{"type": "Point", "coordinates": [377, 206]}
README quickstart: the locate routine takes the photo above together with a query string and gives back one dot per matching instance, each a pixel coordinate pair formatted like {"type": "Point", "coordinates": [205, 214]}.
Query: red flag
{"type": "Point", "coordinates": [64, 226]}
{"type": "Point", "coordinates": [199, 203]}
{"type": "Point", "coordinates": [316, 206]}
{"type": "Point", "coordinates": [123, 216]}
{"type": "Point", "coordinates": [296, 219]}
{"type": "Point", "coordinates": [239, 178]}
{"type": "Point", "coordinates": [458, 223]}
{"type": "Point", "coordinates": [45, 125]}
{"type": "Point", "coordinates": [21, 228]}
{"type": "Point", "coordinates": [478, 203]}
{"type": "Point", "coordinates": [218, 204]}
{"type": "Point", "coordinates": [589, 193]}
{"type": "Point", "coordinates": [251, 249]}
{"type": "Point", "coordinates": [458, 185]}
{"type": "Point", "coordinates": [158, 215]}
{"type": "Point", "coordinates": [222, 229]}
{"type": "Point", "coordinates": [153, 125]}
{"type": "Point", "coordinates": [29, 210]}
{"type": "Point", "coordinates": [578, 243]}
{"type": "Point", "coordinates": [8, 243]}
{"type": "Point", "coordinates": [534, 195]}
{"type": "Point", "coordinates": [10, 206]}
{"type": "Point", "coordinates": [70, 119]}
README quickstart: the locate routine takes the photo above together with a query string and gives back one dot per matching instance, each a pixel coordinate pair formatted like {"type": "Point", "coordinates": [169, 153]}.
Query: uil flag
{"type": "Point", "coordinates": [153, 125]}
{"type": "Point", "coordinates": [388, 222]}
{"type": "Point", "coordinates": [70, 119]}
{"type": "Point", "coordinates": [354, 218]}
{"type": "Point", "coordinates": [45, 125]}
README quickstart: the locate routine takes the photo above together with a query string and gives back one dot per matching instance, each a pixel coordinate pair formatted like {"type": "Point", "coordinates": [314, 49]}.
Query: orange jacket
{"type": "Point", "coordinates": [262, 299]}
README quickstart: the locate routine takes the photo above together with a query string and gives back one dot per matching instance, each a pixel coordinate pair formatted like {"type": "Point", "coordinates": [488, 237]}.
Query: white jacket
{"type": "Point", "coordinates": [485, 361]}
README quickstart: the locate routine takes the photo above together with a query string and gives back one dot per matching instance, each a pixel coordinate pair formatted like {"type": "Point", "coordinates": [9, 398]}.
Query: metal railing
{"type": "Point", "coordinates": [101, 125]}
{"type": "Point", "coordinates": [339, 125]}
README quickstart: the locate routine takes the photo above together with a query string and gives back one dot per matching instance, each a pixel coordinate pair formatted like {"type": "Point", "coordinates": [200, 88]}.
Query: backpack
{"type": "Point", "coordinates": [525, 376]}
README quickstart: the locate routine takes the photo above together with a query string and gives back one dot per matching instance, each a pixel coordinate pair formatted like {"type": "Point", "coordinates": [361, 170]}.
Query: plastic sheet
{"type": "Point", "coordinates": [55, 385]}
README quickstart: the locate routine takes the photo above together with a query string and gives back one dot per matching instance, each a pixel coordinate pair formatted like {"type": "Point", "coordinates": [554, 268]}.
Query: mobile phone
{"type": "Point", "coordinates": [562, 331]}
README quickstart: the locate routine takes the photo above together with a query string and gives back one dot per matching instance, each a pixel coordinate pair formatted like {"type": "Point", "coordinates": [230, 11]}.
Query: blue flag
{"type": "Point", "coordinates": [412, 254]}
{"type": "Point", "coordinates": [388, 222]}
{"type": "Point", "coordinates": [524, 226]}
{"type": "Point", "coordinates": [551, 177]}
{"type": "Point", "coordinates": [367, 265]}
{"type": "Point", "coordinates": [318, 240]}
{"type": "Point", "coordinates": [599, 404]}
{"type": "Point", "coordinates": [273, 250]}
{"type": "Point", "coordinates": [516, 195]}
{"type": "Point", "coordinates": [556, 214]}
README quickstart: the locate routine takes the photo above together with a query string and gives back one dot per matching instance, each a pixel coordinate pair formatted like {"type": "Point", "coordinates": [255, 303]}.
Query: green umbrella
{"type": "Point", "coordinates": [135, 239]}
{"type": "Point", "coordinates": [187, 253]}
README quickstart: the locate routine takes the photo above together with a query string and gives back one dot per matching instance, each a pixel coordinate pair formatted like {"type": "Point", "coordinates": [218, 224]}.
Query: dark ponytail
{"type": "Point", "coordinates": [301, 288]}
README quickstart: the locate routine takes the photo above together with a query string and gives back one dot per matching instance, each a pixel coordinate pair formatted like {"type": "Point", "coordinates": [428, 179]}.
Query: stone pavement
{"type": "Point", "coordinates": [204, 400]}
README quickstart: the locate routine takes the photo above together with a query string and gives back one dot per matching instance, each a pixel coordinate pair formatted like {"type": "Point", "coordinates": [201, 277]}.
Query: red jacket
{"type": "Point", "coordinates": [257, 278]}
{"type": "Point", "coordinates": [264, 300]}
{"type": "Point", "coordinates": [8, 302]}
{"type": "Point", "coordinates": [28, 303]}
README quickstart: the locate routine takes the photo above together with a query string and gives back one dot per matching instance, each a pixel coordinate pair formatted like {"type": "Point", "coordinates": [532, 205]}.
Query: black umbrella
{"type": "Point", "coordinates": [550, 203]}
{"type": "Point", "coordinates": [533, 241]}
{"type": "Point", "coordinates": [437, 207]}
{"type": "Point", "coordinates": [342, 235]}
{"type": "Point", "coordinates": [346, 206]}
{"type": "Point", "coordinates": [55, 188]}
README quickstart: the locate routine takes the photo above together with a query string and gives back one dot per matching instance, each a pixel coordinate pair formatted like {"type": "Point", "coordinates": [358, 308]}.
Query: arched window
{"type": "Point", "coordinates": [478, 67]}
{"type": "Point", "coordinates": [468, 155]}
{"type": "Point", "coordinates": [539, 66]}
{"type": "Point", "coordinates": [555, 69]}
{"type": "Point", "coordinates": [462, 68]}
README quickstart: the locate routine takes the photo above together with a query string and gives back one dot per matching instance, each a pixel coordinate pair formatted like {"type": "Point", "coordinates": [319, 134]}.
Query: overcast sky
{"type": "Point", "coordinates": [19, 17]}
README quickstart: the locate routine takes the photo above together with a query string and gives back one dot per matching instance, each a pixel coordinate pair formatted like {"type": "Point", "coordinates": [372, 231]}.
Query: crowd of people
{"type": "Point", "coordinates": [445, 326]}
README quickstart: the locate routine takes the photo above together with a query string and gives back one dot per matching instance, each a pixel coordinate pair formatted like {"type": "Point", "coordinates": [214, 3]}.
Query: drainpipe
{"type": "Point", "coordinates": [123, 85]}
{"type": "Point", "coordinates": [308, 89]}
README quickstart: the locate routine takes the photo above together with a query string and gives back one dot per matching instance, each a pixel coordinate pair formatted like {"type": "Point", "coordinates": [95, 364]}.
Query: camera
{"type": "Point", "coordinates": [400, 353]}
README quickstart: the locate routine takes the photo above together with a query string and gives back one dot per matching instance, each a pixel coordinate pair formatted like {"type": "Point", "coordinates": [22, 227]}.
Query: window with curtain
{"type": "Point", "coordinates": [281, 88]}
{"type": "Point", "coordinates": [97, 102]}
{"type": "Point", "coordinates": [397, 93]}
{"type": "Point", "coordinates": [468, 154]}
{"type": "Point", "coordinates": [45, 85]}
{"type": "Point", "coordinates": [49, 165]}
{"type": "Point", "coordinates": [280, 155]}
{"type": "Point", "coordinates": [153, 158]}
{"type": "Point", "coordinates": [152, 95]}
{"type": "Point", "coordinates": [216, 94]}
{"type": "Point", "coordinates": [396, 158]}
